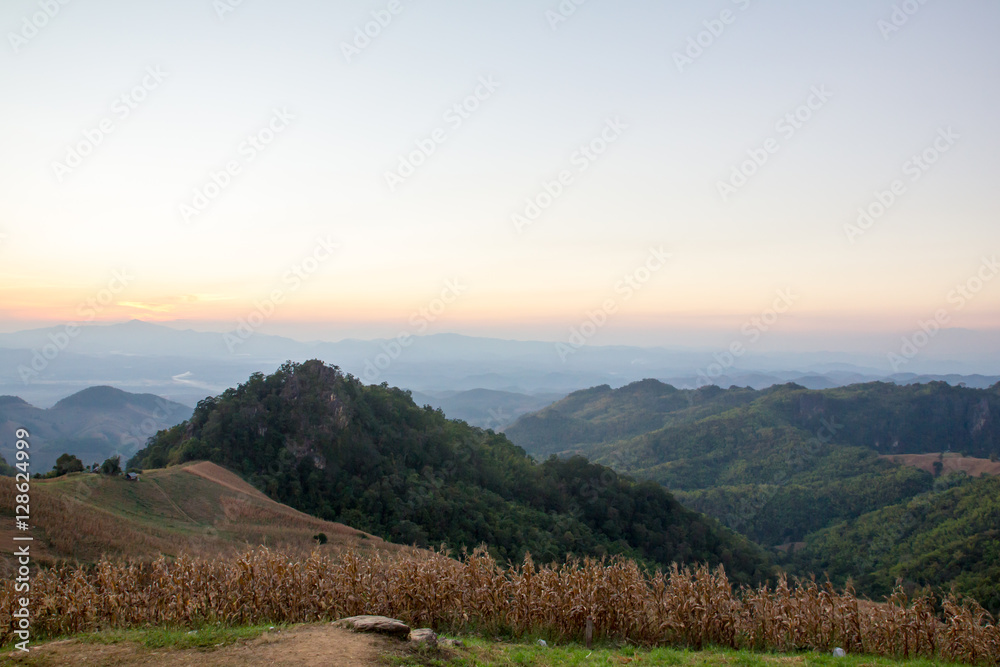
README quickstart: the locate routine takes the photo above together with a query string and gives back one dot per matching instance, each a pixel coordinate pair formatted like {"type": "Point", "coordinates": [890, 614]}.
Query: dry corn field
{"type": "Point", "coordinates": [680, 607]}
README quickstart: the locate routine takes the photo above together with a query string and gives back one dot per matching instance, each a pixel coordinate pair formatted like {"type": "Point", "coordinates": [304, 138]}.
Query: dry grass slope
{"type": "Point", "coordinates": [195, 509]}
{"type": "Point", "coordinates": [693, 608]}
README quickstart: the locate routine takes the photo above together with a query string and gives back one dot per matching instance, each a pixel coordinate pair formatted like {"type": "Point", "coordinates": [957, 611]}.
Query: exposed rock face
{"type": "Point", "coordinates": [380, 624]}
{"type": "Point", "coordinates": [424, 636]}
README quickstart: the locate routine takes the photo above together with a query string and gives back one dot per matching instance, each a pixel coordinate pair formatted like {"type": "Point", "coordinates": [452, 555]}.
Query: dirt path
{"type": "Point", "coordinates": [309, 645]}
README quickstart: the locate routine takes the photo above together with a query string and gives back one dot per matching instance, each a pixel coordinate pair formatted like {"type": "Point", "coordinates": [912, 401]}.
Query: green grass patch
{"type": "Point", "coordinates": [209, 636]}
{"type": "Point", "coordinates": [479, 652]}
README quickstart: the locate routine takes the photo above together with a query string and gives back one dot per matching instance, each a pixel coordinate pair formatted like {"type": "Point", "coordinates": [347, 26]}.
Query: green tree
{"type": "Point", "coordinates": [112, 466]}
{"type": "Point", "coordinates": [66, 464]}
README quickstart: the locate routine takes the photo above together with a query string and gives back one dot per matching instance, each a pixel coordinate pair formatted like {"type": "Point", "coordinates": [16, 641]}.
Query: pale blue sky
{"type": "Point", "coordinates": [656, 184]}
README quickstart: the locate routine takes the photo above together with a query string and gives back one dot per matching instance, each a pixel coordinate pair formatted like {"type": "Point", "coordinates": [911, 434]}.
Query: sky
{"type": "Point", "coordinates": [666, 171]}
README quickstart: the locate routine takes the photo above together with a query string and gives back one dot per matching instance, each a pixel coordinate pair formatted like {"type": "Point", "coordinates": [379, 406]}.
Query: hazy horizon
{"type": "Point", "coordinates": [819, 342]}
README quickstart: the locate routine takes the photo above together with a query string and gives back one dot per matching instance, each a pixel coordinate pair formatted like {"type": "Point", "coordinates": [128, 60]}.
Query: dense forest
{"type": "Point", "coordinates": [775, 464]}
{"type": "Point", "coordinates": [368, 456]}
{"type": "Point", "coordinates": [787, 465]}
{"type": "Point", "coordinates": [882, 416]}
{"type": "Point", "coordinates": [943, 538]}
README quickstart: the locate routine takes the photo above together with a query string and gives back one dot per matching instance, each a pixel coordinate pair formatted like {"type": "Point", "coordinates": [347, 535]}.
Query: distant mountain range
{"type": "Point", "coordinates": [44, 365]}
{"type": "Point", "coordinates": [93, 424]}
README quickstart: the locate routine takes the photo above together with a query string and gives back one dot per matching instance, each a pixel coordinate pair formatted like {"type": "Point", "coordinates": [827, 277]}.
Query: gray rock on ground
{"type": "Point", "coordinates": [379, 624]}
{"type": "Point", "coordinates": [424, 636]}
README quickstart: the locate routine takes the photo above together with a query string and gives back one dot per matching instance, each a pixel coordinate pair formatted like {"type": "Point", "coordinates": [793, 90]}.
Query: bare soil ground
{"type": "Point", "coordinates": [973, 467]}
{"type": "Point", "coordinates": [307, 645]}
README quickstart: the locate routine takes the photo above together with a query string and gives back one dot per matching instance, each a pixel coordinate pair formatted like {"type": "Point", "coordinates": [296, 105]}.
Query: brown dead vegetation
{"type": "Point", "coordinates": [684, 607]}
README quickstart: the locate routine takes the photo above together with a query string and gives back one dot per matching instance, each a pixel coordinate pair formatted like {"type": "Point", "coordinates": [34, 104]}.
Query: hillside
{"type": "Point", "coordinates": [783, 464]}
{"type": "Point", "coordinates": [367, 456]}
{"type": "Point", "coordinates": [946, 538]}
{"type": "Point", "coordinates": [92, 424]}
{"type": "Point", "coordinates": [599, 415]}
{"type": "Point", "coordinates": [885, 417]}
{"type": "Point", "coordinates": [197, 508]}
{"type": "Point", "coordinates": [778, 463]}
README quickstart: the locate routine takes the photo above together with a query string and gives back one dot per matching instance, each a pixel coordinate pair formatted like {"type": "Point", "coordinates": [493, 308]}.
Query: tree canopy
{"type": "Point", "coordinates": [368, 456]}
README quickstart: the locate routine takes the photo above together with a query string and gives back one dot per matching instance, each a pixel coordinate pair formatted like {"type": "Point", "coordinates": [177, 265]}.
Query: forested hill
{"type": "Point", "coordinates": [886, 417]}
{"type": "Point", "coordinates": [940, 539]}
{"type": "Point", "coordinates": [775, 464]}
{"type": "Point", "coordinates": [93, 424]}
{"type": "Point", "coordinates": [806, 471]}
{"type": "Point", "coordinates": [367, 456]}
